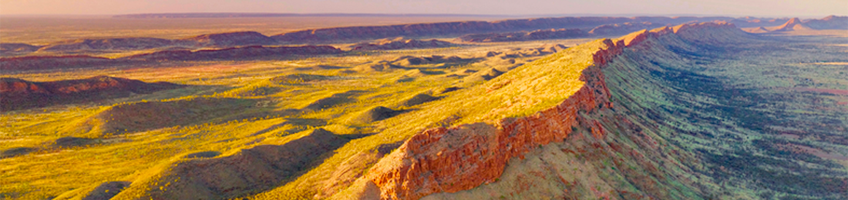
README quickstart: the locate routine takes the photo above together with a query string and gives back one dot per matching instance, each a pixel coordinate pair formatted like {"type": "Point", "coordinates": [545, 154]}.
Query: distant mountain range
{"type": "Point", "coordinates": [228, 15]}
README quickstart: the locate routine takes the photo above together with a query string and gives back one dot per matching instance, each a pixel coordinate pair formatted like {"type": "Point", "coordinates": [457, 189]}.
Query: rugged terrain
{"type": "Point", "coordinates": [690, 111]}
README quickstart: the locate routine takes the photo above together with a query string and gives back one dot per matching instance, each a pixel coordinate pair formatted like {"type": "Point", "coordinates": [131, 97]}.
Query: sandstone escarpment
{"type": "Point", "coordinates": [466, 156]}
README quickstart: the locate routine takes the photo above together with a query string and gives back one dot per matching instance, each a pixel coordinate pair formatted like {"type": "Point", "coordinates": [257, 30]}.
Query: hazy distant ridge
{"type": "Point", "coordinates": [230, 15]}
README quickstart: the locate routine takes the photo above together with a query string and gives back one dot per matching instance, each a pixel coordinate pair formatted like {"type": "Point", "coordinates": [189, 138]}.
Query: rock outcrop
{"type": "Point", "coordinates": [400, 43]}
{"type": "Point", "coordinates": [20, 94]}
{"type": "Point", "coordinates": [466, 156]}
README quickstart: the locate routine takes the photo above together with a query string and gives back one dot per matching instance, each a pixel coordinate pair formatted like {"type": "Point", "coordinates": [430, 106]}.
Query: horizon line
{"type": "Point", "coordinates": [283, 14]}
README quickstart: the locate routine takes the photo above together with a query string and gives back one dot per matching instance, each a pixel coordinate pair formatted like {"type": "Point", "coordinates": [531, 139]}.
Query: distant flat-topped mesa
{"type": "Point", "coordinates": [20, 94]}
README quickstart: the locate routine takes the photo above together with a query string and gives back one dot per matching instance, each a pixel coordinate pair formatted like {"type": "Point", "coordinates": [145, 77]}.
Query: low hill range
{"type": "Point", "coordinates": [401, 43]}
{"type": "Point", "coordinates": [796, 24]}
{"type": "Point", "coordinates": [233, 53]}
{"type": "Point", "coordinates": [542, 26]}
{"type": "Point", "coordinates": [232, 39]}
{"type": "Point", "coordinates": [253, 45]}
{"type": "Point", "coordinates": [18, 94]}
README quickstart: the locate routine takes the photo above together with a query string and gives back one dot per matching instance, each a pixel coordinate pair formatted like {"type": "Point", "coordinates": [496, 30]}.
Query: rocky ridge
{"type": "Point", "coordinates": [466, 156]}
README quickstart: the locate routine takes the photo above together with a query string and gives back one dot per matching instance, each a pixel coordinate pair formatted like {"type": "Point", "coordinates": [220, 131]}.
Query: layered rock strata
{"type": "Point", "coordinates": [466, 156]}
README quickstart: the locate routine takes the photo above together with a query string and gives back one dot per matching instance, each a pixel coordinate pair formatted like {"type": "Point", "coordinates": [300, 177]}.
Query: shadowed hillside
{"type": "Point", "coordinates": [20, 94]}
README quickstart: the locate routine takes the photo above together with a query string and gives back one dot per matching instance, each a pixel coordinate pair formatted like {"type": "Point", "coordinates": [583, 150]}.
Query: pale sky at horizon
{"type": "Point", "coordinates": [784, 8]}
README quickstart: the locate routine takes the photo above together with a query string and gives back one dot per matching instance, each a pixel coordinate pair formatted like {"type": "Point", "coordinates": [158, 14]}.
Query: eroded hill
{"type": "Point", "coordinates": [21, 94]}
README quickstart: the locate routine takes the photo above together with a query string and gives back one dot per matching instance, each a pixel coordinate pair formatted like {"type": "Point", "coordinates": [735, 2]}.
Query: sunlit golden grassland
{"type": "Point", "coordinates": [238, 105]}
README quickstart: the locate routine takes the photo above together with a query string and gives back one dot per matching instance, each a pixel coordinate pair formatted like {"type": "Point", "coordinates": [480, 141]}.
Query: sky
{"type": "Point", "coordinates": [811, 8]}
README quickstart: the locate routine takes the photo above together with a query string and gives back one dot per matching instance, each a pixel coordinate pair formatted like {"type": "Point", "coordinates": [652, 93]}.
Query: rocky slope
{"type": "Point", "coordinates": [608, 140]}
{"type": "Point", "coordinates": [20, 94]}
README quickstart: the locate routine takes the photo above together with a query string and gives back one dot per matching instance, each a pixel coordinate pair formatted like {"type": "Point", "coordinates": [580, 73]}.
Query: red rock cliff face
{"type": "Point", "coordinates": [466, 156]}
